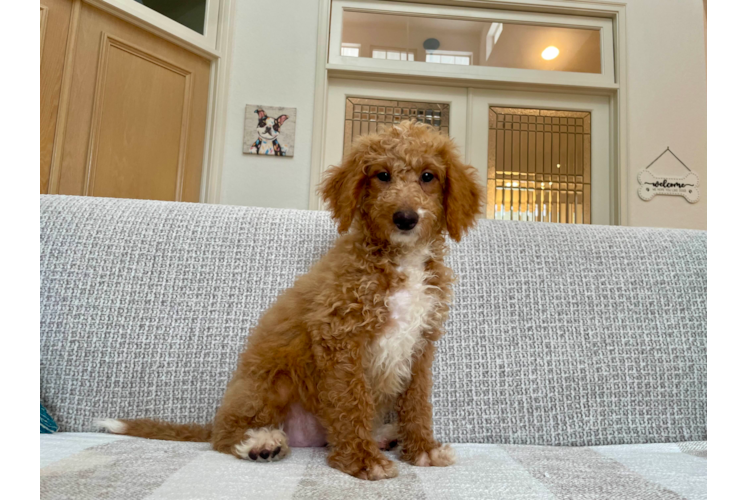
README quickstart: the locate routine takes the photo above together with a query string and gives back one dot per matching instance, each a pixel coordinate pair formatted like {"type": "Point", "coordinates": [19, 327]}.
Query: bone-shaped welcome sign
{"type": "Point", "coordinates": [651, 185]}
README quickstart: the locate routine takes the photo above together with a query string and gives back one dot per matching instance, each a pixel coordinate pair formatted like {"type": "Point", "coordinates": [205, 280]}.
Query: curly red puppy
{"type": "Point", "coordinates": [353, 339]}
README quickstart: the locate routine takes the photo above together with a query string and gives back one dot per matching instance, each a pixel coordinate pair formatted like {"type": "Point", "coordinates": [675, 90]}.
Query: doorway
{"type": "Point", "coordinates": [542, 157]}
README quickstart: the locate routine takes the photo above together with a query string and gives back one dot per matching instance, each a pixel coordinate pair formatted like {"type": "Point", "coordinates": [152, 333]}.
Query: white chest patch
{"type": "Point", "coordinates": [409, 308]}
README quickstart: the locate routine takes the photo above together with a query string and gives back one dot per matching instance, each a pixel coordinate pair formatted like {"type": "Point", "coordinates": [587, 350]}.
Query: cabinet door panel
{"type": "Point", "coordinates": [136, 123]}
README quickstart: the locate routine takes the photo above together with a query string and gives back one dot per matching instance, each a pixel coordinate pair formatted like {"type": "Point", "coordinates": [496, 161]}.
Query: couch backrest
{"type": "Point", "coordinates": [559, 334]}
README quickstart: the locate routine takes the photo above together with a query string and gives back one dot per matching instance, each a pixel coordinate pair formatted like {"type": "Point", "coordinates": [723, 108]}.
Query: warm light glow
{"type": "Point", "coordinates": [550, 53]}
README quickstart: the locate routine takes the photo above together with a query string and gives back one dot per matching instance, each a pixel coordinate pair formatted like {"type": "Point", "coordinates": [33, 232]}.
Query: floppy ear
{"type": "Point", "coordinates": [342, 186]}
{"type": "Point", "coordinates": [462, 194]}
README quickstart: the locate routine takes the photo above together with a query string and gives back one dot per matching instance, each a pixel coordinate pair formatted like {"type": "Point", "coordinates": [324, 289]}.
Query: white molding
{"type": "Point", "coordinates": [620, 144]}
{"type": "Point", "coordinates": [587, 8]}
{"type": "Point", "coordinates": [212, 16]}
{"type": "Point", "coordinates": [320, 105]}
{"type": "Point", "coordinates": [467, 154]}
{"type": "Point", "coordinates": [162, 26]}
{"type": "Point", "coordinates": [477, 73]}
{"type": "Point", "coordinates": [616, 11]}
{"type": "Point", "coordinates": [215, 129]}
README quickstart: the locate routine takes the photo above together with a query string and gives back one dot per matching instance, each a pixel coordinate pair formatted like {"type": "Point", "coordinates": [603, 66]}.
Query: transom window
{"type": "Point", "coordinates": [471, 43]}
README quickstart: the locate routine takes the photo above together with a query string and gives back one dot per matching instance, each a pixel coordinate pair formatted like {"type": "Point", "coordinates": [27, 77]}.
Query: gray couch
{"type": "Point", "coordinates": [574, 364]}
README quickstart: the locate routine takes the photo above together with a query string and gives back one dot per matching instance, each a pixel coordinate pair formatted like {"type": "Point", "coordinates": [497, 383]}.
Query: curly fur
{"type": "Point", "coordinates": [353, 339]}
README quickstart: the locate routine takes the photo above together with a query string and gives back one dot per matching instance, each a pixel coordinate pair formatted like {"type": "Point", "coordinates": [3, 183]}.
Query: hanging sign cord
{"type": "Point", "coordinates": [667, 150]}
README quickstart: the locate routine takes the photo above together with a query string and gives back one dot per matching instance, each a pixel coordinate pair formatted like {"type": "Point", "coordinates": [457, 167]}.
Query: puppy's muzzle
{"type": "Point", "coordinates": [405, 220]}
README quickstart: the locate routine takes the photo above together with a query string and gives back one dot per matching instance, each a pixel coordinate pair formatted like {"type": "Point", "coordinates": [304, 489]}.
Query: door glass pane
{"type": "Point", "coordinates": [367, 116]}
{"type": "Point", "coordinates": [539, 165]}
{"type": "Point", "coordinates": [473, 43]}
{"type": "Point", "coordinates": [190, 13]}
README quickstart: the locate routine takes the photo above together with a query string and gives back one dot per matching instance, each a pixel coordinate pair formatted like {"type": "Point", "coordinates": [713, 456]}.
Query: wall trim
{"type": "Point", "coordinates": [168, 29]}
{"type": "Point", "coordinates": [215, 130]}
{"type": "Point", "coordinates": [320, 104]}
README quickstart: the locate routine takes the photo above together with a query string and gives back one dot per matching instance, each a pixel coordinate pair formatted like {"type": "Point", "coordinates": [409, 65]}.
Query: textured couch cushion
{"type": "Point", "coordinates": [95, 466]}
{"type": "Point", "coordinates": [559, 334]}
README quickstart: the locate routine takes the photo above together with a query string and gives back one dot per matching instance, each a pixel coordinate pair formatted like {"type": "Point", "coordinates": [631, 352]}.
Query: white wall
{"type": "Point", "coordinates": [667, 101]}
{"type": "Point", "coordinates": [273, 64]}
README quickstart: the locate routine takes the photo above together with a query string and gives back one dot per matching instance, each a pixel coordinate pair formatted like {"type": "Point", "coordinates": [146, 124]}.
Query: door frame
{"type": "Point", "coordinates": [618, 97]}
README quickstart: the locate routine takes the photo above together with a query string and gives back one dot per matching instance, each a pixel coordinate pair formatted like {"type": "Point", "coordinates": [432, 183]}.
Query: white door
{"type": "Point", "coordinates": [543, 156]}
{"type": "Point", "coordinates": [357, 107]}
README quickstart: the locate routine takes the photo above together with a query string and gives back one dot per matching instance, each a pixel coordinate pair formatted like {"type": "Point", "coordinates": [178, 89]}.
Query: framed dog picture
{"type": "Point", "coordinates": [269, 130]}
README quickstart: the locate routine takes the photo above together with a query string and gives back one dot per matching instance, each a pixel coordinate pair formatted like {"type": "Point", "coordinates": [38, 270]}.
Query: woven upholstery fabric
{"type": "Point", "coordinates": [558, 335]}
{"type": "Point", "coordinates": [94, 466]}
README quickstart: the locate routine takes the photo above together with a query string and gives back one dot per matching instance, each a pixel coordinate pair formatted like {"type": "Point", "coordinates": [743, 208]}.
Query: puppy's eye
{"type": "Point", "coordinates": [427, 177]}
{"type": "Point", "coordinates": [383, 176]}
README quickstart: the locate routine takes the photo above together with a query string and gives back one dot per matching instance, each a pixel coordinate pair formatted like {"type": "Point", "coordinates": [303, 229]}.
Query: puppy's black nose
{"type": "Point", "coordinates": [405, 219]}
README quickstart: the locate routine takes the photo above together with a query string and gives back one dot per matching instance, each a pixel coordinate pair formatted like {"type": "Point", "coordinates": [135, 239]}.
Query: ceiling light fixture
{"type": "Point", "coordinates": [550, 53]}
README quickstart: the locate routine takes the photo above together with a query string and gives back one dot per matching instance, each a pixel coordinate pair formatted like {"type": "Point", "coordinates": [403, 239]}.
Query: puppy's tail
{"type": "Point", "coordinates": [157, 429]}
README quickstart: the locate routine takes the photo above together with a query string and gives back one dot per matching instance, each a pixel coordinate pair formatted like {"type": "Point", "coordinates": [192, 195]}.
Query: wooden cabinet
{"type": "Point", "coordinates": [125, 115]}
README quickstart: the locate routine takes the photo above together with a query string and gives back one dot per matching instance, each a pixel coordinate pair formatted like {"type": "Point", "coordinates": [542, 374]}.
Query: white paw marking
{"type": "Point", "coordinates": [438, 457]}
{"type": "Point", "coordinates": [263, 445]}
{"type": "Point", "coordinates": [378, 472]}
{"type": "Point", "coordinates": [112, 425]}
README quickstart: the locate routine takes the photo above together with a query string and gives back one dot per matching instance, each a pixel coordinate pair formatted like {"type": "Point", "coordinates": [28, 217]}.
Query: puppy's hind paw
{"type": "Point", "coordinates": [263, 445]}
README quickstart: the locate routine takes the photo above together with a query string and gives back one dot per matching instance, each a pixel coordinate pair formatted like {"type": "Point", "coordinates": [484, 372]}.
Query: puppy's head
{"type": "Point", "coordinates": [269, 128]}
{"type": "Point", "coordinates": [405, 186]}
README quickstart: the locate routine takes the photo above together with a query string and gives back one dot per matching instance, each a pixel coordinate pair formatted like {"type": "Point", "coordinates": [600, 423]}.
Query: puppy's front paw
{"type": "Point", "coordinates": [372, 468]}
{"type": "Point", "coordinates": [386, 469]}
{"type": "Point", "coordinates": [440, 456]}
